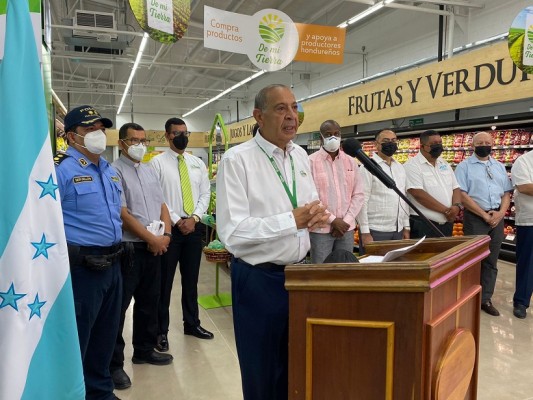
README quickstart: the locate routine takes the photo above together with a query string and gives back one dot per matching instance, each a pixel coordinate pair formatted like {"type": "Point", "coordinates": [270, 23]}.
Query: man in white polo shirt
{"type": "Point", "coordinates": [432, 187]}
{"type": "Point", "coordinates": [522, 174]}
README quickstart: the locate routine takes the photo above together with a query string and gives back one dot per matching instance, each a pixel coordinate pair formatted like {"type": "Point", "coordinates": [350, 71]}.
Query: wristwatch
{"type": "Point", "coordinates": [196, 218]}
{"type": "Point", "coordinates": [460, 205]}
{"type": "Point", "coordinates": [168, 234]}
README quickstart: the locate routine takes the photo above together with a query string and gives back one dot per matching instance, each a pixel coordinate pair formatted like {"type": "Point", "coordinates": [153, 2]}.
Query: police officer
{"type": "Point", "coordinates": [90, 197]}
{"type": "Point", "coordinates": [142, 203]}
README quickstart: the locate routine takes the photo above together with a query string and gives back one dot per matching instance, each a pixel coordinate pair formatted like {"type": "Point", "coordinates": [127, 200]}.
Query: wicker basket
{"type": "Point", "coordinates": [216, 255]}
{"type": "Point", "coordinates": [213, 255]}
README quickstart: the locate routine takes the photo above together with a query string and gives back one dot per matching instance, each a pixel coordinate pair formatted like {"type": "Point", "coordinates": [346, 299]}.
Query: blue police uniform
{"type": "Point", "coordinates": [90, 198]}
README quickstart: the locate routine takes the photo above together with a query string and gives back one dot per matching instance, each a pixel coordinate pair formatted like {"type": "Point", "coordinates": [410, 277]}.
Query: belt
{"type": "Point", "coordinates": [267, 266]}
{"type": "Point", "coordinates": [96, 258]}
{"type": "Point", "coordinates": [434, 222]}
{"type": "Point", "coordinates": [140, 245]}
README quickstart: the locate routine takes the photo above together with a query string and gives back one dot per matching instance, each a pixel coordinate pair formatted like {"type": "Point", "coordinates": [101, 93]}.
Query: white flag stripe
{"type": "Point", "coordinates": [31, 276]}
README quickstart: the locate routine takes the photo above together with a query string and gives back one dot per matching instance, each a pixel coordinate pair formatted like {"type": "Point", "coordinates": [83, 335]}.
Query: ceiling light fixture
{"type": "Point", "coordinates": [135, 65]}
{"type": "Point", "coordinates": [225, 92]}
{"type": "Point", "coordinates": [364, 14]}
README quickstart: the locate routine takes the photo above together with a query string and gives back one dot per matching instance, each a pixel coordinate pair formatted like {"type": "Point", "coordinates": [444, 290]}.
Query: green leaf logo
{"type": "Point", "coordinates": [271, 28]}
{"type": "Point", "coordinates": [530, 33]}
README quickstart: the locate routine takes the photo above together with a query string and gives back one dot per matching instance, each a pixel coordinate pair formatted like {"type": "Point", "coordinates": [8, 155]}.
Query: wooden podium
{"type": "Point", "coordinates": [403, 330]}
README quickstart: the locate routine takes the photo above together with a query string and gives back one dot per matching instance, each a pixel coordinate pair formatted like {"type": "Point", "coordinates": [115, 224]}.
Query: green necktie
{"type": "Point", "coordinates": [186, 191]}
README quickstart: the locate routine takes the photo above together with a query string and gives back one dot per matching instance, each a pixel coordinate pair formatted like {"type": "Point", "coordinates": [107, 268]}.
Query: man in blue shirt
{"type": "Point", "coordinates": [90, 197]}
{"type": "Point", "coordinates": [485, 189]}
{"type": "Point", "coordinates": [142, 203]}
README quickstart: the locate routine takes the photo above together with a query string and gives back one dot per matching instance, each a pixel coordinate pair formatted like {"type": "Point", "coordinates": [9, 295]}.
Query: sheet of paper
{"type": "Point", "coordinates": [391, 255]}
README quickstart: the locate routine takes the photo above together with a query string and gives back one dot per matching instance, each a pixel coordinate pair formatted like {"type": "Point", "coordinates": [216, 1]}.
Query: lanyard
{"type": "Point", "coordinates": [292, 196]}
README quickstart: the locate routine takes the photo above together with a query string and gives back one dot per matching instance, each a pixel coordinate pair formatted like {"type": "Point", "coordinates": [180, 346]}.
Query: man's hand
{"type": "Point", "coordinates": [495, 217]}
{"type": "Point", "coordinates": [159, 245]}
{"type": "Point", "coordinates": [339, 228]}
{"type": "Point", "coordinates": [451, 213]}
{"type": "Point", "coordinates": [186, 225]}
{"type": "Point", "coordinates": [311, 216]}
{"type": "Point", "coordinates": [406, 234]}
{"type": "Point", "coordinates": [366, 238]}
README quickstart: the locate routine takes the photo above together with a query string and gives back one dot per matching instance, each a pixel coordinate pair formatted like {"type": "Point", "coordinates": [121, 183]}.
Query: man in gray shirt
{"type": "Point", "coordinates": [142, 203]}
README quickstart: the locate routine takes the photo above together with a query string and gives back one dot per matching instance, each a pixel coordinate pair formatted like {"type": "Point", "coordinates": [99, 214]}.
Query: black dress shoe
{"type": "Point", "coordinates": [520, 311]}
{"type": "Point", "coordinates": [162, 343]}
{"type": "Point", "coordinates": [198, 331]}
{"type": "Point", "coordinates": [153, 358]}
{"type": "Point", "coordinates": [121, 380]}
{"type": "Point", "coordinates": [490, 309]}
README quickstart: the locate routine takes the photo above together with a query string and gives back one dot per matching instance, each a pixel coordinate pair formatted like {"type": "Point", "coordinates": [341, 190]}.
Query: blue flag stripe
{"type": "Point", "coordinates": [22, 114]}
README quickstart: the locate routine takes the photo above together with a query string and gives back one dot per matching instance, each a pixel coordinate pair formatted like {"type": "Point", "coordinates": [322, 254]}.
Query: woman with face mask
{"type": "Point", "coordinates": [432, 187]}
{"type": "Point", "coordinates": [340, 189]}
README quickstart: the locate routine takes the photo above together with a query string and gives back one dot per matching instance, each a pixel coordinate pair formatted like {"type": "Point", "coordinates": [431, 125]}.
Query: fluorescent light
{"type": "Point", "coordinates": [218, 96]}
{"type": "Point", "coordinates": [364, 14]}
{"type": "Point", "coordinates": [59, 102]}
{"type": "Point", "coordinates": [135, 65]}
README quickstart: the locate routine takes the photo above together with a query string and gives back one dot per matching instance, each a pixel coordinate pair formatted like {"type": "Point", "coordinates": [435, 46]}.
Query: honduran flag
{"type": "Point", "coordinates": [39, 348]}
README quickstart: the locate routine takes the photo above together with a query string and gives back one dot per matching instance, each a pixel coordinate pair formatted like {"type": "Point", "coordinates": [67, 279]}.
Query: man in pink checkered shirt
{"type": "Point", "coordinates": [340, 189]}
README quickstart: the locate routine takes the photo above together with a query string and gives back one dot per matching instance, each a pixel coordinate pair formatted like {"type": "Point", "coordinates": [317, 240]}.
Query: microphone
{"type": "Point", "coordinates": [353, 148]}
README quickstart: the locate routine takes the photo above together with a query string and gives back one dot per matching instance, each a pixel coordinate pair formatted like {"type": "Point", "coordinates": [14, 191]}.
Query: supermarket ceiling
{"type": "Point", "coordinates": [175, 78]}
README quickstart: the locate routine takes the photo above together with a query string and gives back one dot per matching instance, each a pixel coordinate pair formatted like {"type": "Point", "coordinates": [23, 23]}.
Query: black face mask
{"type": "Point", "coordinates": [389, 148]}
{"type": "Point", "coordinates": [483, 151]}
{"type": "Point", "coordinates": [180, 142]}
{"type": "Point", "coordinates": [436, 150]}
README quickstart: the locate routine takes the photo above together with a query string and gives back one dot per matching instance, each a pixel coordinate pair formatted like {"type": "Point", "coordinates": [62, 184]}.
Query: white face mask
{"type": "Point", "coordinates": [95, 141]}
{"type": "Point", "coordinates": [137, 151]}
{"type": "Point", "coordinates": [331, 143]}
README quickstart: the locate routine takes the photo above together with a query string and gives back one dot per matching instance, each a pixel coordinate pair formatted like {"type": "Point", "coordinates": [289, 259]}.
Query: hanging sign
{"type": "Point", "coordinates": [166, 21]}
{"type": "Point", "coordinates": [271, 39]}
{"type": "Point", "coordinates": [520, 40]}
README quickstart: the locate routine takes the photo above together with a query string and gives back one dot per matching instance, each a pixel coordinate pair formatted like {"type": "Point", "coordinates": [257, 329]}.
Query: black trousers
{"type": "Point", "coordinates": [524, 265]}
{"type": "Point", "coordinates": [475, 225]}
{"type": "Point", "coordinates": [261, 322]}
{"type": "Point", "coordinates": [420, 229]}
{"type": "Point", "coordinates": [187, 251]}
{"type": "Point", "coordinates": [97, 297]}
{"type": "Point", "coordinates": [142, 282]}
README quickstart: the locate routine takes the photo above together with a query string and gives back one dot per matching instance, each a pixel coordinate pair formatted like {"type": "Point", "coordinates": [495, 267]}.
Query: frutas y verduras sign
{"type": "Point", "coordinates": [480, 77]}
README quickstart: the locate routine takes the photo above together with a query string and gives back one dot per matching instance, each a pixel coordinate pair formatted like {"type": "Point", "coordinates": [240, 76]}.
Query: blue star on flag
{"type": "Point", "coordinates": [10, 298]}
{"type": "Point", "coordinates": [42, 247]}
{"type": "Point", "coordinates": [35, 307]}
{"type": "Point", "coordinates": [49, 187]}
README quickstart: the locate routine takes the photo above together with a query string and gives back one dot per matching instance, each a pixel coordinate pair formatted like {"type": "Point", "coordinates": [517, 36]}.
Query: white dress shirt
{"type": "Point", "coordinates": [522, 174]}
{"type": "Point", "coordinates": [383, 210]}
{"type": "Point", "coordinates": [438, 181]}
{"type": "Point", "coordinates": [254, 213]}
{"type": "Point", "coordinates": [166, 168]}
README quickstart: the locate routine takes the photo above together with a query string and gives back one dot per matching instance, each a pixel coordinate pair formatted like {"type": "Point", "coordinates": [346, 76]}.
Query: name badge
{"type": "Point", "coordinates": [80, 179]}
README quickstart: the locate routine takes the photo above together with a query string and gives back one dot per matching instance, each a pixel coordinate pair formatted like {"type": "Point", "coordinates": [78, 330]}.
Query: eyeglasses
{"type": "Point", "coordinates": [489, 173]}
{"type": "Point", "coordinates": [178, 133]}
{"type": "Point", "coordinates": [135, 141]}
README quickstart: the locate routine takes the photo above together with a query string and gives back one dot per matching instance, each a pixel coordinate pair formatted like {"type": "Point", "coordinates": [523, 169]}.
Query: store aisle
{"type": "Point", "coordinates": [209, 370]}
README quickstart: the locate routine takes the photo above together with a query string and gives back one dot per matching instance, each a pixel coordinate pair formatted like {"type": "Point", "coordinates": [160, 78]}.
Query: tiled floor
{"type": "Point", "coordinates": [208, 369]}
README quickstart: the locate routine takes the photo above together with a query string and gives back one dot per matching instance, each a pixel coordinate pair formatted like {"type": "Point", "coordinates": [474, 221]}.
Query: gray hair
{"type": "Point", "coordinates": [261, 97]}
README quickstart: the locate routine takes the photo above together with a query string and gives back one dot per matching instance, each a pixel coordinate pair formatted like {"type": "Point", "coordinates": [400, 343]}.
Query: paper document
{"type": "Point", "coordinates": [391, 255]}
{"type": "Point", "coordinates": [156, 227]}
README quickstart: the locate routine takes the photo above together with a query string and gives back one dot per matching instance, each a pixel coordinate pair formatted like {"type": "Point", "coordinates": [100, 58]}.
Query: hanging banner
{"type": "Point", "coordinates": [35, 16]}
{"type": "Point", "coordinates": [520, 40]}
{"type": "Point", "coordinates": [320, 44]}
{"type": "Point", "coordinates": [166, 21]}
{"type": "Point", "coordinates": [271, 39]}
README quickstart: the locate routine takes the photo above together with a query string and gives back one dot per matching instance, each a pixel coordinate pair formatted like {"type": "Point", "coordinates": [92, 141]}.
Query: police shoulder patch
{"type": "Point", "coordinates": [59, 158]}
